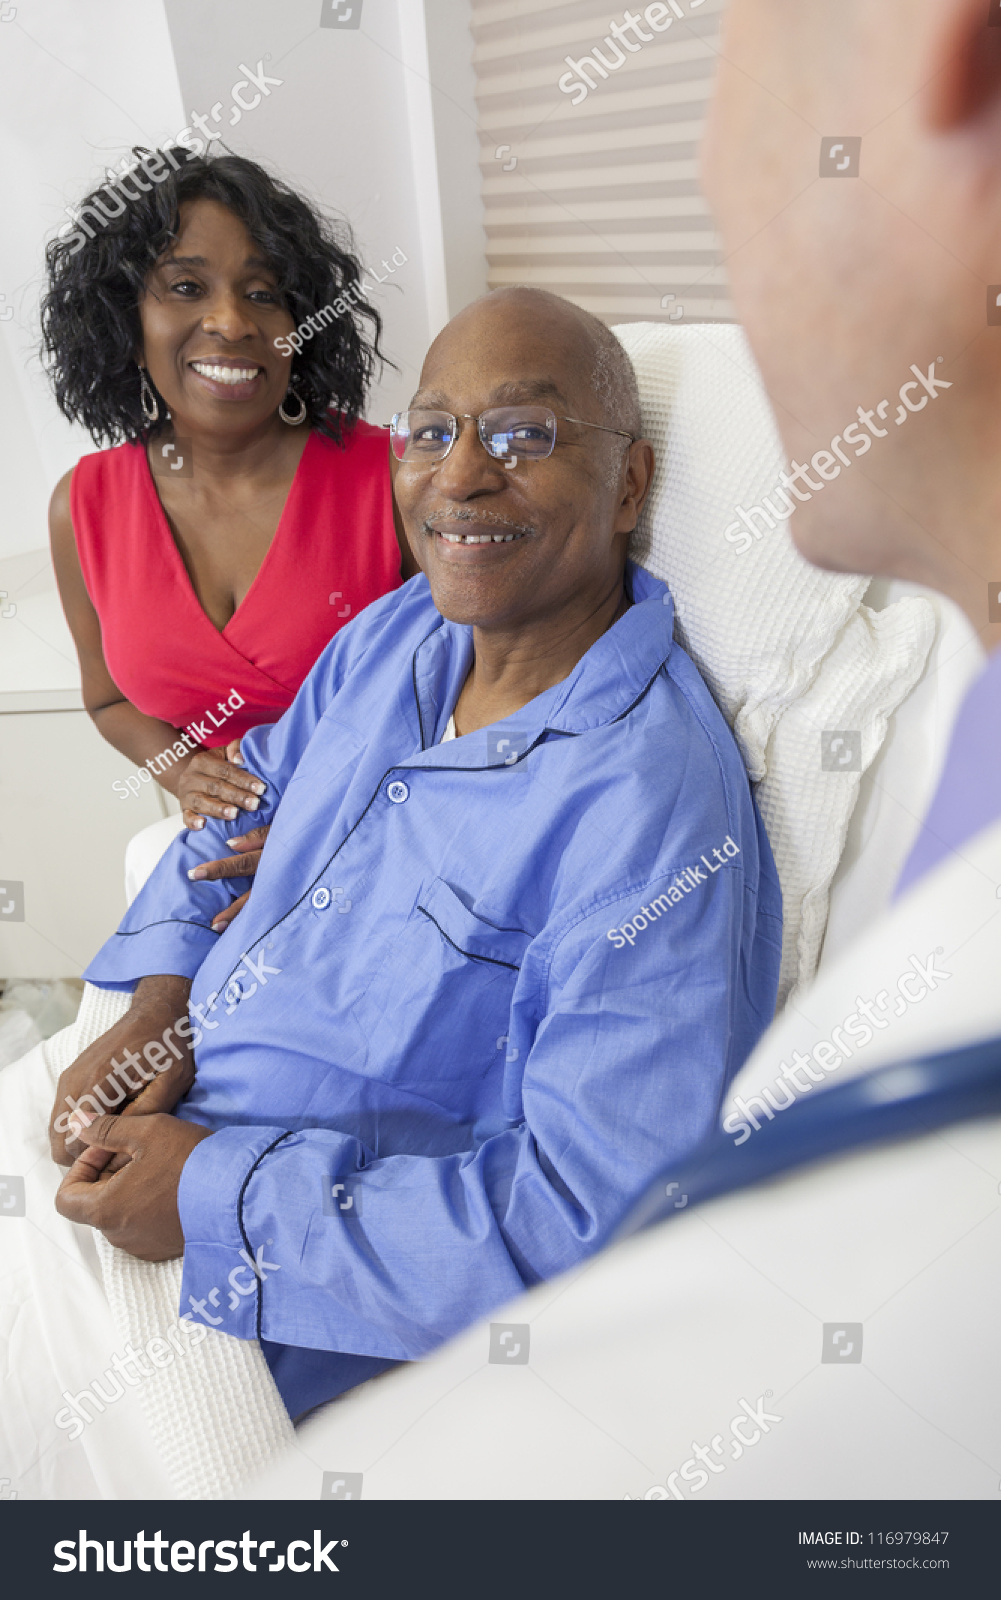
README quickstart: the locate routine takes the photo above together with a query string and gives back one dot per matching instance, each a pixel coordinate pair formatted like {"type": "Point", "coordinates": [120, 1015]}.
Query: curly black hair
{"type": "Point", "coordinates": [96, 274]}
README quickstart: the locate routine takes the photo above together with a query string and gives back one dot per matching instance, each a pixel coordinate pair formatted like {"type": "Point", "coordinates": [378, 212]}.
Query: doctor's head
{"type": "Point", "coordinates": [520, 469]}
{"type": "Point", "coordinates": [854, 165]}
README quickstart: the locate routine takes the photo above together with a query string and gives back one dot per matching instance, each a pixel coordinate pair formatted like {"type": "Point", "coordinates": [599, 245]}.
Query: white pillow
{"type": "Point", "coordinates": [789, 652]}
{"type": "Point", "coordinates": [899, 787]}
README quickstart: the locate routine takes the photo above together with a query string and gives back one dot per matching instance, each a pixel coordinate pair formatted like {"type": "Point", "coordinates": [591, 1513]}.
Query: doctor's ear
{"type": "Point", "coordinates": [964, 78]}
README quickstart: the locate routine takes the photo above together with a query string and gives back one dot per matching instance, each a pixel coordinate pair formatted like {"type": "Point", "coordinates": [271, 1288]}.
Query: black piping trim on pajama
{"type": "Point", "coordinates": [239, 1217]}
{"type": "Point", "coordinates": [469, 954]}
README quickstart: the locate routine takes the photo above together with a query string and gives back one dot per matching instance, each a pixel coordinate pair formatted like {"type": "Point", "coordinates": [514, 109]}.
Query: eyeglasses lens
{"type": "Point", "coordinates": [524, 432]}
{"type": "Point", "coordinates": [528, 432]}
{"type": "Point", "coordinates": [422, 435]}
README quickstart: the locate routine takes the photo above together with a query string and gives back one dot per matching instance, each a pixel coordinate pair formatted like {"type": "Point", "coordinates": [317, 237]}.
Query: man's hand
{"type": "Point", "coordinates": [135, 1206]}
{"type": "Point", "coordinates": [115, 1073]}
{"type": "Point", "coordinates": [242, 864]}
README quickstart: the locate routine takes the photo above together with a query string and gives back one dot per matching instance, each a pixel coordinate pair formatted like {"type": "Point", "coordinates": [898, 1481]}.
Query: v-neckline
{"type": "Point", "coordinates": [179, 559]}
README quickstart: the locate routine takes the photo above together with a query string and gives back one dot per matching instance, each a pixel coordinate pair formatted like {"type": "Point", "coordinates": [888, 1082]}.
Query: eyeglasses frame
{"type": "Point", "coordinates": [467, 416]}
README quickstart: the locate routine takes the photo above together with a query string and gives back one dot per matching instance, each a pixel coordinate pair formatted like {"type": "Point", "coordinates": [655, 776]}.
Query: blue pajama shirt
{"type": "Point", "coordinates": [482, 993]}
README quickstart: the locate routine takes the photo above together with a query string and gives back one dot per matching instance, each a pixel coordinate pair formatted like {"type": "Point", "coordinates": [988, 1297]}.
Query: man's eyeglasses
{"type": "Point", "coordinates": [508, 433]}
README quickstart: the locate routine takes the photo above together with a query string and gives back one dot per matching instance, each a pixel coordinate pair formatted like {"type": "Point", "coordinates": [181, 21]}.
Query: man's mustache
{"type": "Point", "coordinates": [488, 519]}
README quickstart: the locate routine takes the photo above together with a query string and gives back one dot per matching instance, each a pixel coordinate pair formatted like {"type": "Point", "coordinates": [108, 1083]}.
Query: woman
{"type": "Point", "coordinates": [206, 559]}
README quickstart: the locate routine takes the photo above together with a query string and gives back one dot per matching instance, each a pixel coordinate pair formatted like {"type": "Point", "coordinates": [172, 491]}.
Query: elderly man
{"type": "Point", "coordinates": [830, 1332]}
{"type": "Point", "coordinates": [516, 925]}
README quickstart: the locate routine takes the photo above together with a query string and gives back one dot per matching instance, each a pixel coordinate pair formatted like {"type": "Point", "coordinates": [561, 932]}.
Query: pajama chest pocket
{"type": "Point", "coordinates": [441, 1001]}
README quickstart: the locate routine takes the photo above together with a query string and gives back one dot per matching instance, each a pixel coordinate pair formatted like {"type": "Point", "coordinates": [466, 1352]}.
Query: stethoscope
{"type": "Point", "coordinates": [899, 1101]}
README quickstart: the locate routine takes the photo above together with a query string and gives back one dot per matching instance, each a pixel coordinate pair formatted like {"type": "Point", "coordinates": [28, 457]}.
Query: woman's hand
{"type": "Point", "coordinates": [216, 784]}
{"type": "Point", "coordinates": [227, 780]}
{"type": "Point", "coordinates": [243, 864]}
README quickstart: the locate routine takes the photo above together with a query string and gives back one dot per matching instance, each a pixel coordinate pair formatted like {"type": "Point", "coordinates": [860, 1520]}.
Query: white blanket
{"type": "Point", "coordinates": [196, 1424]}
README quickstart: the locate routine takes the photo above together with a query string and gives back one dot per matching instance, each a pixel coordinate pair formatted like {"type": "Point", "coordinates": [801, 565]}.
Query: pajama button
{"type": "Point", "coordinates": [321, 899]}
{"type": "Point", "coordinates": [398, 792]}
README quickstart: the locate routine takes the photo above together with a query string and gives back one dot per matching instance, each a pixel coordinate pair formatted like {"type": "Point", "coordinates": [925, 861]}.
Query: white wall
{"type": "Point", "coordinates": [449, 52]}
{"type": "Point", "coordinates": [79, 84]}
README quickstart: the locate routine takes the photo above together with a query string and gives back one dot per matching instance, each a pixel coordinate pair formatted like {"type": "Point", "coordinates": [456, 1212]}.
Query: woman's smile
{"type": "Point", "coordinates": [226, 379]}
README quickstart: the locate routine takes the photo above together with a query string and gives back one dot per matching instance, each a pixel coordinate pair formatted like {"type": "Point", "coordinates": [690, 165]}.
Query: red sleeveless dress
{"type": "Point", "coordinates": [334, 552]}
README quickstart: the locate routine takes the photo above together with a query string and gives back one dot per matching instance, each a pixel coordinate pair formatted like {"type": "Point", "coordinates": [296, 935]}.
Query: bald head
{"type": "Point", "coordinates": [845, 283]}
{"type": "Point", "coordinates": [603, 373]}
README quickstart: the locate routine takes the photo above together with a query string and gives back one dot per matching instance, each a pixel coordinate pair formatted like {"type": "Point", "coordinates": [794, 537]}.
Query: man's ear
{"type": "Point", "coordinates": [638, 476]}
{"type": "Point", "coordinates": [965, 75]}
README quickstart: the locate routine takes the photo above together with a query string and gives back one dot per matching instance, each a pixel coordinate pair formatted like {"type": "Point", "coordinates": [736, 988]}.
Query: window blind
{"type": "Point", "coordinates": [591, 188]}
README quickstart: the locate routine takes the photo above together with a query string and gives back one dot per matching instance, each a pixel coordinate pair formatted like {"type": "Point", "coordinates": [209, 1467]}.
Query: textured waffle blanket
{"type": "Point", "coordinates": [80, 1415]}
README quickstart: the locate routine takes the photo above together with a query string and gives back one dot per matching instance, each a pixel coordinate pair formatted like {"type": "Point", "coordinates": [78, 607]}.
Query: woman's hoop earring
{"type": "Point", "coordinates": [147, 399]}
{"type": "Point", "coordinates": [294, 422]}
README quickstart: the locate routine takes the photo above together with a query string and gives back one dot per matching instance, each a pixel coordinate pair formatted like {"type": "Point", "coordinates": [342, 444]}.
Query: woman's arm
{"type": "Point", "coordinates": [133, 733]}
{"type": "Point", "coordinates": [204, 782]}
